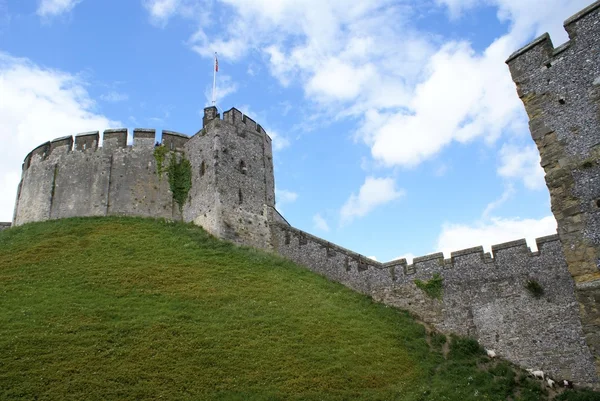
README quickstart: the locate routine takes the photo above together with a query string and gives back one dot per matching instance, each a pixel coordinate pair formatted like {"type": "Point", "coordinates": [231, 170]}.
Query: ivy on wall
{"type": "Point", "coordinates": [179, 172]}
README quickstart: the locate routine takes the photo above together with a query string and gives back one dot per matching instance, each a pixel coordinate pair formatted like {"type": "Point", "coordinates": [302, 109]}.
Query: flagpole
{"type": "Point", "coordinates": [214, 92]}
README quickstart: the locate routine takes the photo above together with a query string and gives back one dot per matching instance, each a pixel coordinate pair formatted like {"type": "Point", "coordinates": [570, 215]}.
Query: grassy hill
{"type": "Point", "coordinates": [130, 309]}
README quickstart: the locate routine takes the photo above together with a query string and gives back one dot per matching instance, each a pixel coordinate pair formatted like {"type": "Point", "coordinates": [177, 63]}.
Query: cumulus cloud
{"type": "Point", "coordinates": [465, 96]}
{"type": "Point", "coordinates": [37, 104]}
{"type": "Point", "coordinates": [51, 8]}
{"type": "Point", "coordinates": [373, 193]}
{"type": "Point", "coordinates": [319, 223]}
{"type": "Point", "coordinates": [522, 163]}
{"type": "Point", "coordinates": [412, 93]}
{"type": "Point", "coordinates": [161, 11]}
{"type": "Point", "coordinates": [496, 230]}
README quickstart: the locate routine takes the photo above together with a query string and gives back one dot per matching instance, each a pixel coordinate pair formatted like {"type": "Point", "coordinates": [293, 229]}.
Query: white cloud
{"type": "Point", "coordinates": [161, 10]}
{"type": "Point", "coordinates": [497, 230]}
{"type": "Point", "coordinates": [51, 8]}
{"type": "Point", "coordinates": [465, 96]}
{"type": "Point", "coordinates": [319, 223]}
{"type": "Point", "coordinates": [284, 196]}
{"type": "Point", "coordinates": [225, 87]}
{"type": "Point", "coordinates": [509, 191]}
{"type": "Point", "coordinates": [37, 104]}
{"type": "Point", "coordinates": [413, 93]}
{"type": "Point", "coordinates": [373, 258]}
{"type": "Point", "coordinates": [114, 97]}
{"type": "Point", "coordinates": [530, 17]}
{"type": "Point", "coordinates": [373, 193]}
{"type": "Point", "coordinates": [522, 163]}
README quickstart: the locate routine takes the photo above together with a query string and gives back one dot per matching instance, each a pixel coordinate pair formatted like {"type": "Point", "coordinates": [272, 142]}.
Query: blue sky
{"type": "Point", "coordinates": [397, 129]}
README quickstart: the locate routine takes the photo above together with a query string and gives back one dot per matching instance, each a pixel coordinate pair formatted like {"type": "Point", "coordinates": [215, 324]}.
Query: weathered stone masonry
{"type": "Point", "coordinates": [560, 88]}
{"type": "Point", "coordinates": [231, 195]}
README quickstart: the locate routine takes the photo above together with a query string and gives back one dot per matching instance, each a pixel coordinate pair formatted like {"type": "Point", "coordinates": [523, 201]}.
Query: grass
{"type": "Point", "coordinates": [134, 309]}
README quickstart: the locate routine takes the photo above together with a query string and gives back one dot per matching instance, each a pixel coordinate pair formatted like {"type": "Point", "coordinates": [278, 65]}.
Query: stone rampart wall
{"type": "Point", "coordinates": [4, 226]}
{"type": "Point", "coordinates": [64, 179]}
{"type": "Point", "coordinates": [484, 296]}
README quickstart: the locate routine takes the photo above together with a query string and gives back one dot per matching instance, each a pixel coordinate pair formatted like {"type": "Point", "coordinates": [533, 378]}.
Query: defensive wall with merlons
{"type": "Point", "coordinates": [537, 309]}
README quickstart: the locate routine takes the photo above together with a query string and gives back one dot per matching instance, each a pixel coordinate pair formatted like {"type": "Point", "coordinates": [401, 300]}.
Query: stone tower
{"type": "Point", "coordinates": [233, 189]}
{"type": "Point", "coordinates": [560, 88]}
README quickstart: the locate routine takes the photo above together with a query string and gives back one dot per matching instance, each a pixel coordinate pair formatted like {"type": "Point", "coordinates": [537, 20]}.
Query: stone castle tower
{"type": "Point", "coordinates": [560, 88]}
{"type": "Point", "coordinates": [228, 166]}
{"type": "Point", "coordinates": [222, 179]}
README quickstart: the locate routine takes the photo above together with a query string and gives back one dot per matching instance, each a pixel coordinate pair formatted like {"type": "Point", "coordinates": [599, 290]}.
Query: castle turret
{"type": "Point", "coordinates": [560, 88]}
{"type": "Point", "coordinates": [232, 173]}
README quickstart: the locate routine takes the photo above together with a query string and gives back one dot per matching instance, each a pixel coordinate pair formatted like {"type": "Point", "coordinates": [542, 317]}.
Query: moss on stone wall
{"type": "Point", "coordinates": [433, 287]}
{"type": "Point", "coordinates": [159, 154]}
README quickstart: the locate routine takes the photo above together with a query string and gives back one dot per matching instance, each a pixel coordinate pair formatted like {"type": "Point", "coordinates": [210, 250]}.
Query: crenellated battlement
{"type": "Point", "coordinates": [295, 239]}
{"type": "Point", "coordinates": [541, 54]}
{"type": "Point", "coordinates": [112, 139]}
{"type": "Point", "coordinates": [236, 118]}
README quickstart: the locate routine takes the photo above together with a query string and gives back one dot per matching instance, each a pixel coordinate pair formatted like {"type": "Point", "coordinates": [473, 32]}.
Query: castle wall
{"type": "Point", "coordinates": [64, 180]}
{"type": "Point", "coordinates": [4, 226]}
{"type": "Point", "coordinates": [483, 296]}
{"type": "Point", "coordinates": [560, 89]}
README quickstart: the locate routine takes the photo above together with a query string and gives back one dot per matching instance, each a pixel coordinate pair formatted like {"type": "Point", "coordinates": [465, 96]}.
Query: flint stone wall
{"type": "Point", "coordinates": [560, 88]}
{"type": "Point", "coordinates": [483, 296]}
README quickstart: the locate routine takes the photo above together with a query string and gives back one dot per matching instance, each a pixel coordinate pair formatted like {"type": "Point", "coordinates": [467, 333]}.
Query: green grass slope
{"type": "Point", "coordinates": [131, 309]}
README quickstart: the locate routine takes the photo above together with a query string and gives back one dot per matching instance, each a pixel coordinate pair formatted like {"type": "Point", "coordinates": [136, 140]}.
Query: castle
{"type": "Point", "coordinates": [222, 179]}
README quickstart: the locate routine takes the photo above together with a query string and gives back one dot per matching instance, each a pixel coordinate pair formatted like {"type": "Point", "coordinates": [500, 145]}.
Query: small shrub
{"type": "Point", "coordinates": [433, 287]}
{"type": "Point", "coordinates": [438, 340]}
{"type": "Point", "coordinates": [464, 348]}
{"type": "Point", "coordinates": [534, 288]}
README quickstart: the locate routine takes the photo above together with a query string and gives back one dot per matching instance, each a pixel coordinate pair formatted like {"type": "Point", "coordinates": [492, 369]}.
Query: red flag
{"type": "Point", "coordinates": [216, 64]}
